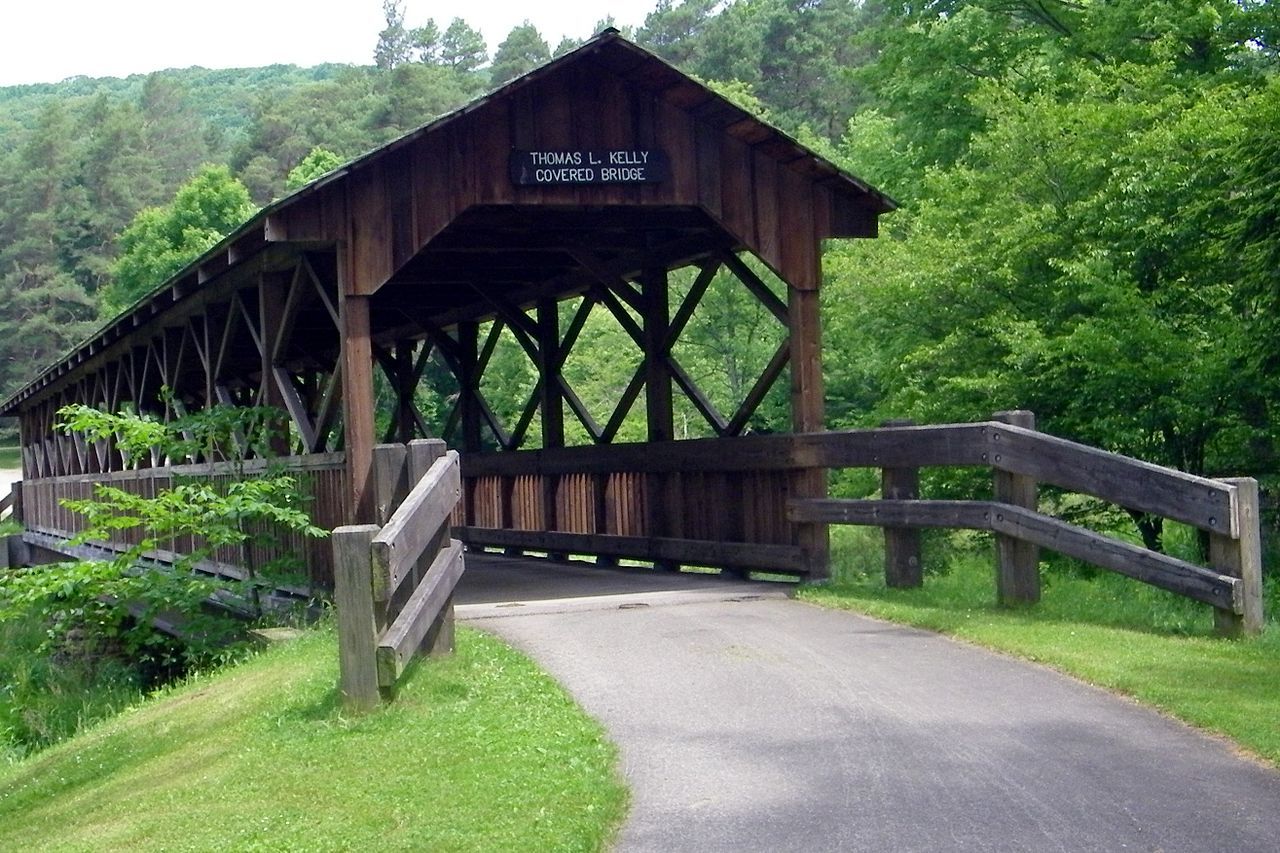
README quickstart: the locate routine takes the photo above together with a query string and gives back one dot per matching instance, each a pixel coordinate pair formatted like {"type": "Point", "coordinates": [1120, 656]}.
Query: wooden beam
{"type": "Point", "coordinates": [807, 410]}
{"type": "Point", "coordinates": [1017, 560]}
{"type": "Point", "coordinates": [740, 555]}
{"type": "Point", "coordinates": [903, 562]}
{"type": "Point", "coordinates": [358, 402]}
{"type": "Point", "coordinates": [1241, 558]}
{"type": "Point", "coordinates": [1187, 579]}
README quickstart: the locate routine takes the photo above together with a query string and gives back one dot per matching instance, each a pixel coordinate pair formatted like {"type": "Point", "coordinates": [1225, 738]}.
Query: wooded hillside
{"type": "Point", "coordinates": [1089, 220]}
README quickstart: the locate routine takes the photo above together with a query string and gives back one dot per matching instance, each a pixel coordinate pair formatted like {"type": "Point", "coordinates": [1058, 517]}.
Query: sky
{"type": "Point", "coordinates": [45, 41]}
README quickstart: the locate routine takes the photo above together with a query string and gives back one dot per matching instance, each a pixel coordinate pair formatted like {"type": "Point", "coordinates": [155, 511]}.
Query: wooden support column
{"type": "Point", "coordinates": [551, 405]}
{"type": "Point", "coordinates": [405, 386]}
{"type": "Point", "coordinates": [808, 414]}
{"type": "Point", "coordinates": [1241, 558]}
{"type": "Point", "coordinates": [659, 415]}
{"type": "Point", "coordinates": [357, 402]}
{"type": "Point", "coordinates": [1017, 562]}
{"type": "Point", "coordinates": [469, 414]}
{"type": "Point", "coordinates": [468, 385]}
{"type": "Point", "coordinates": [903, 568]}
{"type": "Point", "coordinates": [271, 299]}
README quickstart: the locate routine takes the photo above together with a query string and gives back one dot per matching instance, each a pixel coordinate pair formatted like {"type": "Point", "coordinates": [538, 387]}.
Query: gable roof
{"type": "Point", "coordinates": [609, 50]}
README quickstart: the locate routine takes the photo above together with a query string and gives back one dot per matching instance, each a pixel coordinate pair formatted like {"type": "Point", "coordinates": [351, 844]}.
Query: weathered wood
{"type": "Point", "coordinates": [959, 515]}
{"type": "Point", "coordinates": [1241, 558]}
{"type": "Point", "coordinates": [423, 453]}
{"type": "Point", "coordinates": [358, 631]}
{"type": "Point", "coordinates": [903, 567]}
{"type": "Point", "coordinates": [357, 393]}
{"type": "Point", "coordinates": [414, 524]}
{"type": "Point", "coordinates": [1187, 579]}
{"type": "Point", "coordinates": [774, 558]}
{"type": "Point", "coordinates": [420, 613]}
{"type": "Point", "coordinates": [1017, 560]}
{"type": "Point", "coordinates": [1131, 483]}
{"type": "Point", "coordinates": [390, 479]}
{"type": "Point", "coordinates": [808, 414]}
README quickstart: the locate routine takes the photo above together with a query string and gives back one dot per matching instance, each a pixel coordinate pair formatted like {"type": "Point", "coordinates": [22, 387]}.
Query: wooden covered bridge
{"type": "Point", "coordinates": [594, 178]}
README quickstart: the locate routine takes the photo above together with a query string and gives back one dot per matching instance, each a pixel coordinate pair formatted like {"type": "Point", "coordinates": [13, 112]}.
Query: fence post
{"type": "Point", "coordinates": [390, 484]}
{"type": "Point", "coordinates": [903, 568]}
{"type": "Point", "coordinates": [358, 628]}
{"type": "Point", "coordinates": [423, 453]}
{"type": "Point", "coordinates": [1017, 562]}
{"type": "Point", "coordinates": [1241, 558]}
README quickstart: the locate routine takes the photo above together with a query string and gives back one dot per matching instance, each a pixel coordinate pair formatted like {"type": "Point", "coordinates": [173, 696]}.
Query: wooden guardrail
{"type": "Point", "coordinates": [320, 478]}
{"type": "Point", "coordinates": [1022, 458]}
{"type": "Point", "coordinates": [394, 582]}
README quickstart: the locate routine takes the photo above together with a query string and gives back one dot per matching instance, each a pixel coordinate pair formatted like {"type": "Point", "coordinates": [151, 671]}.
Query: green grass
{"type": "Point", "coordinates": [478, 752]}
{"type": "Point", "coordinates": [10, 457]}
{"type": "Point", "coordinates": [45, 700]}
{"type": "Point", "coordinates": [1111, 631]}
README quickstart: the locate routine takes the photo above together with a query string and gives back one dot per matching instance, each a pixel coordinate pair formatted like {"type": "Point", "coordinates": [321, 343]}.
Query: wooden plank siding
{"type": "Point", "coordinates": [400, 201]}
{"type": "Point", "coordinates": [321, 481]}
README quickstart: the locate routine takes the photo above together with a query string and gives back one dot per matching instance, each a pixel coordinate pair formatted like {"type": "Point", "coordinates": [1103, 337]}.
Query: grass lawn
{"type": "Point", "coordinates": [10, 457]}
{"type": "Point", "coordinates": [479, 752]}
{"type": "Point", "coordinates": [1108, 630]}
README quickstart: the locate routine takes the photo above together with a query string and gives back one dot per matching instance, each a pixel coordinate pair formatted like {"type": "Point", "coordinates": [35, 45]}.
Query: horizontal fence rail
{"type": "Point", "coordinates": [729, 502]}
{"type": "Point", "coordinates": [1022, 459]}
{"type": "Point", "coordinates": [320, 478]}
{"type": "Point", "coordinates": [394, 583]}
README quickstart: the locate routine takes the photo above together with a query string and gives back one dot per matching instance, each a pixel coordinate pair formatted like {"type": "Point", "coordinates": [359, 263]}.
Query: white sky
{"type": "Point", "coordinates": [45, 41]}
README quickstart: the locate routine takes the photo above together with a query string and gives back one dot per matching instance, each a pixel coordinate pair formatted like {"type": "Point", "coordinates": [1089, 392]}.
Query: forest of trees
{"type": "Point", "coordinates": [1089, 195]}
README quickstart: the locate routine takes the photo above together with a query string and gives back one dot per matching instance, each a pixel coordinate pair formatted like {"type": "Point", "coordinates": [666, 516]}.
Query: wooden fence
{"type": "Point", "coordinates": [321, 480]}
{"type": "Point", "coordinates": [726, 502]}
{"type": "Point", "coordinates": [394, 582]}
{"type": "Point", "coordinates": [718, 502]}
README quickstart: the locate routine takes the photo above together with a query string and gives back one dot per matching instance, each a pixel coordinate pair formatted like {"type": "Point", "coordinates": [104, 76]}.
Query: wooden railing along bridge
{"type": "Point", "coordinates": [394, 582]}
{"type": "Point", "coordinates": [731, 503]}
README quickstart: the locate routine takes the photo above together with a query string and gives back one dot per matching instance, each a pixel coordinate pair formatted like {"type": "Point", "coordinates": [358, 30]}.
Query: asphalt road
{"type": "Point", "coordinates": [760, 723]}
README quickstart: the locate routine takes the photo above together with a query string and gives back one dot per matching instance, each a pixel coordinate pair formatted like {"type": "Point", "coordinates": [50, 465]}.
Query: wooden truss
{"type": "Point", "coordinates": [536, 330]}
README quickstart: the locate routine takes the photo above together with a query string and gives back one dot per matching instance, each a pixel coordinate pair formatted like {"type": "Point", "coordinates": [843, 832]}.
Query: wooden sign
{"type": "Point", "coordinates": [613, 166]}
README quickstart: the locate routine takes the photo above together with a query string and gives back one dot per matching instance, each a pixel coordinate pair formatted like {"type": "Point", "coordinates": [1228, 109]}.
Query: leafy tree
{"type": "Point", "coordinates": [117, 600]}
{"type": "Point", "coordinates": [395, 45]}
{"type": "Point", "coordinates": [162, 240]}
{"type": "Point", "coordinates": [42, 245]}
{"type": "Point", "coordinates": [462, 48]}
{"type": "Point", "coordinates": [173, 132]}
{"type": "Point", "coordinates": [425, 42]}
{"type": "Point", "coordinates": [319, 162]}
{"type": "Point", "coordinates": [417, 94]}
{"type": "Point", "coordinates": [523, 50]}
{"type": "Point", "coordinates": [674, 30]}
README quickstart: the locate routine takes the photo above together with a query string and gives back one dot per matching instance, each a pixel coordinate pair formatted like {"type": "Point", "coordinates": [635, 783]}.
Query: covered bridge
{"type": "Point", "coordinates": [591, 178]}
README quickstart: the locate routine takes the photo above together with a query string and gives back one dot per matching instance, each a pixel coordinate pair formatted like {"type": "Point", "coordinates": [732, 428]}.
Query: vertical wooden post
{"type": "Point", "coordinates": [390, 480]}
{"type": "Point", "coordinates": [903, 567]}
{"type": "Point", "coordinates": [405, 386]}
{"type": "Point", "coordinates": [358, 628]}
{"type": "Point", "coordinates": [1241, 558]}
{"type": "Point", "coordinates": [659, 414]}
{"type": "Point", "coordinates": [271, 298]}
{"type": "Point", "coordinates": [808, 414]}
{"type": "Point", "coordinates": [439, 640]}
{"type": "Point", "coordinates": [468, 407]}
{"type": "Point", "coordinates": [1017, 562]}
{"type": "Point", "coordinates": [357, 401]}
{"type": "Point", "coordinates": [468, 383]}
{"type": "Point", "coordinates": [551, 405]}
